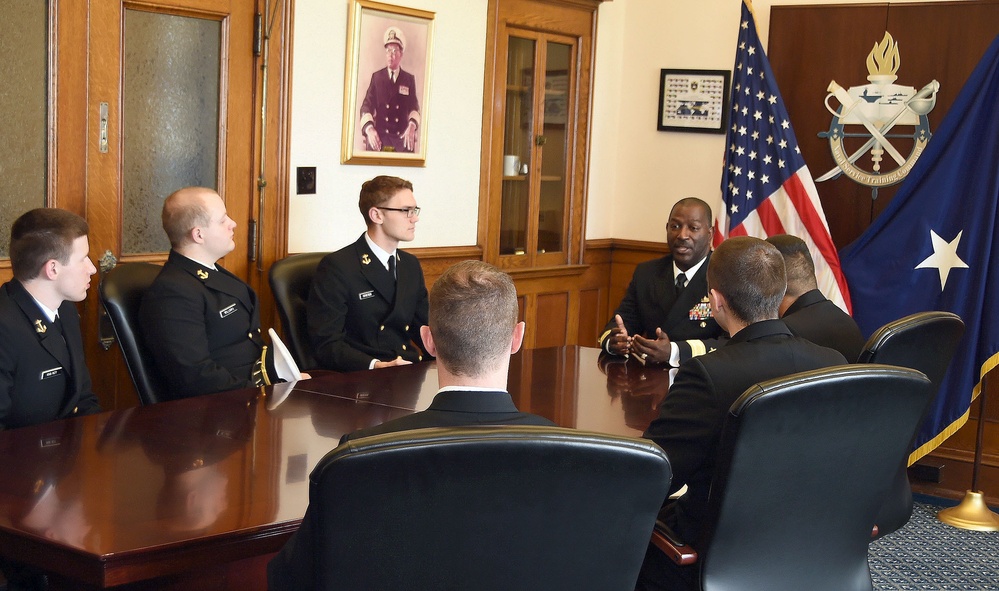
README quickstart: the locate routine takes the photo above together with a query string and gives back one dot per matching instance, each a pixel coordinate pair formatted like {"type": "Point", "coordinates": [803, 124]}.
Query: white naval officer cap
{"type": "Point", "coordinates": [394, 35]}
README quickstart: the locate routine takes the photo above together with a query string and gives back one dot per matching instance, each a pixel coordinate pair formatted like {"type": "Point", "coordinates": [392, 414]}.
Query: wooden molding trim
{"type": "Point", "coordinates": [446, 252]}
{"type": "Point", "coordinates": [546, 272]}
{"type": "Point", "coordinates": [624, 244]}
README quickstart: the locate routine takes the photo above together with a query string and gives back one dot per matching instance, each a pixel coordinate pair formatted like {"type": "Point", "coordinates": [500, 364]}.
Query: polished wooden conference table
{"type": "Point", "coordinates": [199, 493]}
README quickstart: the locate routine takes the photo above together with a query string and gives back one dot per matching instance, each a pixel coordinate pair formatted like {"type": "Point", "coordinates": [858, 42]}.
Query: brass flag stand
{"type": "Point", "coordinates": [972, 512]}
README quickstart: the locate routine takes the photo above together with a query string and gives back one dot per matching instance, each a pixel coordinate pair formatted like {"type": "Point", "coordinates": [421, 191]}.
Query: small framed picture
{"type": "Point", "coordinates": [387, 85]}
{"type": "Point", "coordinates": [693, 100]}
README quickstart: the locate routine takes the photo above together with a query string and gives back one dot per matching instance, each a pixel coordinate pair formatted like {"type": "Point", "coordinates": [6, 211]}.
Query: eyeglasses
{"type": "Point", "coordinates": [409, 211]}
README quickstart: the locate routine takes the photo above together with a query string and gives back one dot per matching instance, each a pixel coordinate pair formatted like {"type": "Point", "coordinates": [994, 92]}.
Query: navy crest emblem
{"type": "Point", "coordinates": [870, 116]}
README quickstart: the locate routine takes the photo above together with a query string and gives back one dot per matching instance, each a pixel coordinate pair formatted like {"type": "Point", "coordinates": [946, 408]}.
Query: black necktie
{"type": "Point", "coordinates": [392, 266]}
{"type": "Point", "coordinates": [61, 345]}
{"type": "Point", "coordinates": [681, 282]}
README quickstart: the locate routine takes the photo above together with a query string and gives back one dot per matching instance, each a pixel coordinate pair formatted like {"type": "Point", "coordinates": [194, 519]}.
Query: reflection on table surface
{"type": "Point", "coordinates": [233, 467]}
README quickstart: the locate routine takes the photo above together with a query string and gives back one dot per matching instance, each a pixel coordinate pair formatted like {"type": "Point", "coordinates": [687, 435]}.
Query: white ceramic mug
{"type": "Point", "coordinates": [511, 165]}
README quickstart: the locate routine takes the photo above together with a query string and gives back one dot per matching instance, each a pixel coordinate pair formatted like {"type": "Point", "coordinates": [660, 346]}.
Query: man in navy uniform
{"type": "Point", "coordinates": [43, 375]}
{"type": "Point", "coordinates": [806, 311]}
{"type": "Point", "coordinates": [203, 319]}
{"type": "Point", "coordinates": [664, 317]}
{"type": "Point", "coordinates": [473, 331]}
{"type": "Point", "coordinates": [746, 282]}
{"type": "Point", "coordinates": [369, 299]}
{"type": "Point", "coordinates": [390, 113]}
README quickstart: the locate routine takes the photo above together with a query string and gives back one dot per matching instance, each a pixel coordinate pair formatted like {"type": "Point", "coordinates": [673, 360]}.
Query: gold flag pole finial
{"type": "Point", "coordinates": [749, 6]}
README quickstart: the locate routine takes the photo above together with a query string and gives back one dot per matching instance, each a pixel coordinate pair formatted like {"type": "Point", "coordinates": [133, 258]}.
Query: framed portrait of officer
{"type": "Point", "coordinates": [387, 85]}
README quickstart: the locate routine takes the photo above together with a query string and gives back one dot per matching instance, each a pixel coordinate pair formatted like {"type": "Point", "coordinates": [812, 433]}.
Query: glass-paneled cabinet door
{"type": "Point", "coordinates": [554, 190]}
{"type": "Point", "coordinates": [538, 122]}
{"type": "Point", "coordinates": [518, 136]}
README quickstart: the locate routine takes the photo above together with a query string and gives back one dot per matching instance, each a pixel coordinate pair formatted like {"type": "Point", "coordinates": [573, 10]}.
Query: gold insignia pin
{"type": "Point", "coordinates": [39, 327]}
{"type": "Point", "coordinates": [705, 299]}
{"type": "Point", "coordinates": [365, 259]}
{"type": "Point", "coordinates": [202, 274]}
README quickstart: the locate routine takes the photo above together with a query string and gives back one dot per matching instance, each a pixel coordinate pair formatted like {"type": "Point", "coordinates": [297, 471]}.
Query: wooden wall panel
{"type": "Point", "coordinates": [551, 320]}
{"type": "Point", "coordinates": [810, 46]}
{"type": "Point", "coordinates": [591, 318]}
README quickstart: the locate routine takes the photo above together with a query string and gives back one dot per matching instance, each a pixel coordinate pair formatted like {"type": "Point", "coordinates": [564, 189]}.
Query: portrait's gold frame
{"type": "Point", "coordinates": [359, 9]}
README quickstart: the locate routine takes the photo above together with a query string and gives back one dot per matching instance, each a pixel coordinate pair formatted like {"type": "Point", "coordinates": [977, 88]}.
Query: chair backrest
{"type": "Point", "coordinates": [291, 281]}
{"type": "Point", "coordinates": [804, 462]}
{"type": "Point", "coordinates": [924, 341]}
{"type": "Point", "coordinates": [121, 292]}
{"type": "Point", "coordinates": [483, 508]}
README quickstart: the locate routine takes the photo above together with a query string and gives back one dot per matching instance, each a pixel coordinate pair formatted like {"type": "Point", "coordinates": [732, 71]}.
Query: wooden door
{"type": "Point", "coordinates": [170, 102]}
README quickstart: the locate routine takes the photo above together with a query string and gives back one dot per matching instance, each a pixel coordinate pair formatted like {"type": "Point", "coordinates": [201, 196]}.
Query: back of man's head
{"type": "Point", "coordinates": [749, 273]}
{"type": "Point", "coordinates": [41, 235]}
{"type": "Point", "coordinates": [378, 191]}
{"type": "Point", "coordinates": [473, 311]}
{"type": "Point", "coordinates": [183, 211]}
{"type": "Point", "coordinates": [797, 262]}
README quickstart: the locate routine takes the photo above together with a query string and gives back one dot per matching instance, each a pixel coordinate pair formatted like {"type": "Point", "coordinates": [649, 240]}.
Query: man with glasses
{"type": "Point", "coordinates": [369, 299]}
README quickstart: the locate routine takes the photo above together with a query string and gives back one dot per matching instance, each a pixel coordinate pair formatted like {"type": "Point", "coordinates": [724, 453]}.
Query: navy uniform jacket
{"type": "Point", "coordinates": [38, 382]}
{"type": "Point", "coordinates": [293, 567]}
{"type": "Point", "coordinates": [651, 302]}
{"type": "Point", "coordinates": [693, 412]}
{"type": "Point", "coordinates": [203, 327]}
{"type": "Point", "coordinates": [391, 105]}
{"type": "Point", "coordinates": [824, 323]}
{"type": "Point", "coordinates": [356, 314]}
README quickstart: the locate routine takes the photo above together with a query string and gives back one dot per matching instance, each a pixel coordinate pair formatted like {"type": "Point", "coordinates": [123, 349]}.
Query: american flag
{"type": "Point", "coordinates": [766, 186]}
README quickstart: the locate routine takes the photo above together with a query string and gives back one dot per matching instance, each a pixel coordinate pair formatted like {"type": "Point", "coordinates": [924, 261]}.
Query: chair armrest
{"type": "Point", "coordinates": [669, 544]}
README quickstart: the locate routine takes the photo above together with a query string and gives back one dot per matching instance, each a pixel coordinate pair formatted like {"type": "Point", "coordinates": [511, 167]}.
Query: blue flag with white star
{"type": "Point", "coordinates": [936, 247]}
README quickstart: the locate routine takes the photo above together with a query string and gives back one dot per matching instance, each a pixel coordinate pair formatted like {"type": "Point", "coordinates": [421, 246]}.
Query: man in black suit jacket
{"type": "Point", "coordinates": [746, 282]}
{"type": "Point", "coordinates": [43, 375]}
{"type": "Point", "coordinates": [203, 319]}
{"type": "Point", "coordinates": [806, 311]}
{"type": "Point", "coordinates": [390, 112]}
{"type": "Point", "coordinates": [664, 318]}
{"type": "Point", "coordinates": [473, 331]}
{"type": "Point", "coordinates": [369, 299]}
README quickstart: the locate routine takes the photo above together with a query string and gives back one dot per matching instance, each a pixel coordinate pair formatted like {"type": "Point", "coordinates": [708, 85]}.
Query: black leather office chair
{"type": "Point", "coordinates": [291, 280]}
{"type": "Point", "coordinates": [121, 292]}
{"type": "Point", "coordinates": [505, 508]}
{"type": "Point", "coordinates": [925, 341]}
{"type": "Point", "coordinates": [803, 465]}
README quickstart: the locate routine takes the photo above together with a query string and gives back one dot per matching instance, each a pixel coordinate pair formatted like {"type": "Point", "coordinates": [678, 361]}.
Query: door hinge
{"type": "Point", "coordinates": [251, 254]}
{"type": "Point", "coordinates": [258, 34]}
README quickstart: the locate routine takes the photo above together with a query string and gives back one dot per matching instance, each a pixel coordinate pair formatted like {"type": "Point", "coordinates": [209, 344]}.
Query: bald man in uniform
{"type": "Point", "coordinates": [204, 320]}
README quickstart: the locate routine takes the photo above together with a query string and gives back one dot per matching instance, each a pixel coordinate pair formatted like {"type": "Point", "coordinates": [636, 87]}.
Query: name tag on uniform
{"type": "Point", "coordinates": [50, 373]}
{"type": "Point", "coordinates": [404, 90]}
{"type": "Point", "coordinates": [365, 295]}
{"type": "Point", "coordinates": [227, 310]}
